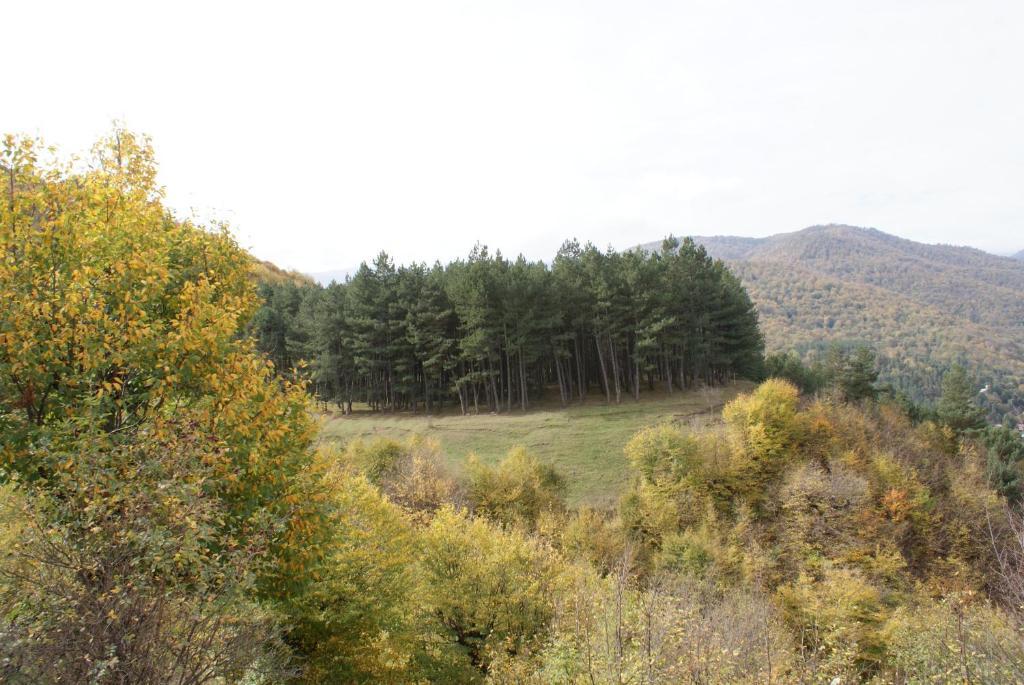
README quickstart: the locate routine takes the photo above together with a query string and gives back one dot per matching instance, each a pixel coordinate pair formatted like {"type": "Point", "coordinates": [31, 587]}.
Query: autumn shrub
{"type": "Point", "coordinates": [363, 619]}
{"type": "Point", "coordinates": [665, 455]}
{"type": "Point", "coordinates": [122, 571]}
{"type": "Point", "coordinates": [838, 614]}
{"type": "Point", "coordinates": [516, 491]}
{"type": "Point", "coordinates": [649, 513]}
{"type": "Point", "coordinates": [767, 430]}
{"type": "Point", "coordinates": [411, 473]}
{"type": "Point", "coordinates": [821, 512]}
{"type": "Point", "coordinates": [612, 630]}
{"type": "Point", "coordinates": [491, 589]}
{"type": "Point", "coordinates": [588, 535]}
{"type": "Point", "coordinates": [958, 639]}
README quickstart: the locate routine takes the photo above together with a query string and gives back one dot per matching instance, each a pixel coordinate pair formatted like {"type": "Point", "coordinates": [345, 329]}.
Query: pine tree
{"type": "Point", "coordinates": [853, 375]}
{"type": "Point", "coordinates": [956, 407]}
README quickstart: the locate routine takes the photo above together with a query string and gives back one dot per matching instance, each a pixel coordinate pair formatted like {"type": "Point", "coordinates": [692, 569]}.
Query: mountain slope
{"type": "Point", "coordinates": [1019, 255]}
{"type": "Point", "coordinates": [921, 306]}
{"type": "Point", "coordinates": [268, 272]}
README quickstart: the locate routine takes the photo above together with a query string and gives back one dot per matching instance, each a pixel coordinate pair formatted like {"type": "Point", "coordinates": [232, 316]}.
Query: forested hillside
{"type": "Point", "coordinates": [490, 334]}
{"type": "Point", "coordinates": [923, 307]}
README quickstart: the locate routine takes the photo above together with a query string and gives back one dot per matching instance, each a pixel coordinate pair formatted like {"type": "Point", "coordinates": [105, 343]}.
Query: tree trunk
{"type": "Point", "coordinates": [615, 371]}
{"type": "Point", "coordinates": [636, 376]}
{"type": "Point", "coordinates": [561, 386]}
{"type": "Point", "coordinates": [604, 373]}
{"type": "Point", "coordinates": [668, 372]}
{"type": "Point", "coordinates": [581, 387]}
{"type": "Point", "coordinates": [522, 379]}
{"type": "Point", "coordinates": [508, 372]}
{"type": "Point", "coordinates": [494, 390]}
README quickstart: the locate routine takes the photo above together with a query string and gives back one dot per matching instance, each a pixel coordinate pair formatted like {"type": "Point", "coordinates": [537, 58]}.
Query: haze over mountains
{"type": "Point", "coordinates": [921, 306]}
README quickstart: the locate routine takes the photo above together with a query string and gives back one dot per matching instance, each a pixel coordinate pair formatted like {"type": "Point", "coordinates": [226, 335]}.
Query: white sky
{"type": "Point", "coordinates": [325, 132]}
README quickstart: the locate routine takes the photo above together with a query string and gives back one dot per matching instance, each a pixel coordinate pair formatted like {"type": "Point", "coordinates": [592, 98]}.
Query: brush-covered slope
{"type": "Point", "coordinates": [268, 272]}
{"type": "Point", "coordinates": [921, 306]}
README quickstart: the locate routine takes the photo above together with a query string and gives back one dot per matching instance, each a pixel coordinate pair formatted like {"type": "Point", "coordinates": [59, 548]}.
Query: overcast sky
{"type": "Point", "coordinates": [325, 132]}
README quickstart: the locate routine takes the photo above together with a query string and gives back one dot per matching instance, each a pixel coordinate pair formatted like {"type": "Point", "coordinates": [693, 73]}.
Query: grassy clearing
{"type": "Point", "coordinates": [584, 442]}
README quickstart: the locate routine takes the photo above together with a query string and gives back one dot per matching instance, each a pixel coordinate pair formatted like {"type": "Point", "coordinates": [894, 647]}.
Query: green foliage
{"type": "Point", "coordinates": [790, 367]}
{"type": "Point", "coordinates": [494, 333]}
{"type": "Point", "coordinates": [1005, 459]}
{"type": "Point", "coordinates": [853, 374]}
{"type": "Point", "coordinates": [956, 407]}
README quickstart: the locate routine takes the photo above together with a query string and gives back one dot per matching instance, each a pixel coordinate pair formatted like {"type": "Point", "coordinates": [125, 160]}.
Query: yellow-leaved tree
{"type": "Point", "coordinates": [120, 345]}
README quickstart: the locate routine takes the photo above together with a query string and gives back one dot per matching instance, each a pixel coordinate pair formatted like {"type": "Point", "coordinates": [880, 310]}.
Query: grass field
{"type": "Point", "coordinates": [584, 442]}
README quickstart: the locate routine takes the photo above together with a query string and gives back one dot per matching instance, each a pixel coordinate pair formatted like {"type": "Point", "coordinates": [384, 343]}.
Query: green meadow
{"type": "Point", "coordinates": [583, 441]}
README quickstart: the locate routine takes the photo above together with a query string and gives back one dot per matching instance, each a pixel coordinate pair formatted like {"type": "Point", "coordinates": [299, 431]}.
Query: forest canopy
{"type": "Point", "coordinates": [491, 334]}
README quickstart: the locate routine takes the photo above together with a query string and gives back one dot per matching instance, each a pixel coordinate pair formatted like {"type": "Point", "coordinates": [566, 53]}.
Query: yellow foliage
{"type": "Point", "coordinates": [664, 455]}
{"type": "Point", "coordinates": [358, 621]}
{"type": "Point", "coordinates": [953, 641]}
{"type": "Point", "coordinates": [766, 429]}
{"type": "Point", "coordinates": [12, 522]}
{"type": "Point", "coordinates": [588, 535]}
{"type": "Point", "coordinates": [411, 473]}
{"type": "Point", "coordinates": [515, 491]}
{"type": "Point", "coordinates": [492, 589]}
{"type": "Point", "coordinates": [120, 325]}
{"type": "Point", "coordinates": [771, 412]}
{"type": "Point", "coordinates": [840, 613]}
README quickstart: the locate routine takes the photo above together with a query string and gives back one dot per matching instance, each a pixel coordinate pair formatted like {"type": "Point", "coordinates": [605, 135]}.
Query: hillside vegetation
{"type": "Point", "coordinates": [168, 517]}
{"type": "Point", "coordinates": [268, 272]}
{"type": "Point", "coordinates": [923, 307]}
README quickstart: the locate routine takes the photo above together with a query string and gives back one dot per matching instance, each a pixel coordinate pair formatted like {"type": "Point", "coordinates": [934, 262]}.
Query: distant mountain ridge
{"type": "Point", "coordinates": [921, 306]}
{"type": "Point", "coordinates": [1019, 255]}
